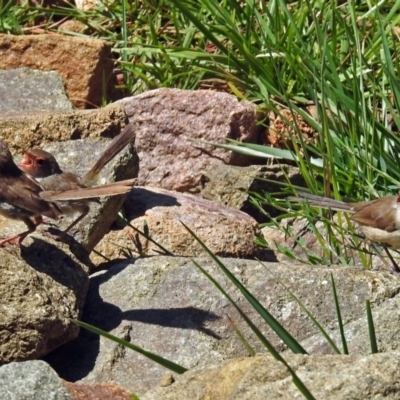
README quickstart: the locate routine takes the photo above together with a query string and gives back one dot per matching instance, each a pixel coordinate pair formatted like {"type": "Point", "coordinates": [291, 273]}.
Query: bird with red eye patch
{"type": "Point", "coordinates": [65, 188]}
{"type": "Point", "coordinates": [20, 198]}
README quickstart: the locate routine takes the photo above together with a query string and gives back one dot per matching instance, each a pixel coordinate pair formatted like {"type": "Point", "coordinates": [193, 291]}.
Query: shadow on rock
{"type": "Point", "coordinates": [76, 359]}
{"type": "Point", "coordinates": [53, 261]}
{"type": "Point", "coordinates": [76, 248]}
{"type": "Point", "coordinates": [183, 318]}
{"type": "Point", "coordinates": [141, 199]}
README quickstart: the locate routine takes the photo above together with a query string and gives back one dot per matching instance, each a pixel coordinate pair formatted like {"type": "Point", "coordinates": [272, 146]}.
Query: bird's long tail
{"type": "Point", "coordinates": [320, 201]}
{"type": "Point", "coordinates": [115, 146]}
{"type": "Point", "coordinates": [111, 189]}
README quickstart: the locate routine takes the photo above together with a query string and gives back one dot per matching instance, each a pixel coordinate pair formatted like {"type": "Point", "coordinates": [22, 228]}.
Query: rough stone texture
{"type": "Point", "coordinates": [167, 379]}
{"type": "Point", "coordinates": [97, 392]}
{"type": "Point", "coordinates": [29, 130]}
{"type": "Point", "coordinates": [286, 124]}
{"type": "Point", "coordinates": [167, 306]}
{"type": "Point", "coordinates": [86, 5]}
{"type": "Point", "coordinates": [165, 119]}
{"type": "Point", "coordinates": [230, 185]}
{"type": "Point", "coordinates": [226, 231]}
{"type": "Point", "coordinates": [33, 380]}
{"type": "Point", "coordinates": [374, 376]}
{"type": "Point", "coordinates": [73, 25]}
{"type": "Point", "coordinates": [83, 63]}
{"type": "Point", "coordinates": [42, 285]}
{"type": "Point", "coordinates": [386, 320]}
{"type": "Point", "coordinates": [78, 156]}
{"type": "Point", "coordinates": [25, 89]}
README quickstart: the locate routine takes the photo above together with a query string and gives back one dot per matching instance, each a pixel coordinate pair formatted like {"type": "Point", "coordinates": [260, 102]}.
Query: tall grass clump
{"type": "Point", "coordinates": [342, 59]}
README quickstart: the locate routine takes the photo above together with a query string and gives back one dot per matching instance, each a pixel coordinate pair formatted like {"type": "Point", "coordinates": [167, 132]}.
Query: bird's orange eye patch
{"type": "Point", "coordinates": [26, 161]}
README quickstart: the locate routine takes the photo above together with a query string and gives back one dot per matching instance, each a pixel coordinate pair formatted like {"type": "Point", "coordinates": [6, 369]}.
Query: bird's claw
{"type": "Point", "coordinates": [59, 238]}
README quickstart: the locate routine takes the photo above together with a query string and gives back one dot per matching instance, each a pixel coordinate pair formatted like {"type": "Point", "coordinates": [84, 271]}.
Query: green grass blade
{"type": "Point", "coordinates": [154, 357]}
{"type": "Point", "coordinates": [287, 338]}
{"type": "Point", "coordinates": [251, 149]}
{"type": "Point", "coordinates": [339, 317]}
{"type": "Point", "coordinates": [304, 308]}
{"type": "Point", "coordinates": [241, 337]}
{"type": "Point", "coordinates": [371, 328]}
{"type": "Point", "coordinates": [296, 380]}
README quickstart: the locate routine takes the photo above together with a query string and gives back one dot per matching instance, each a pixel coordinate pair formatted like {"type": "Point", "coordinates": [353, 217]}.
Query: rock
{"type": "Point", "coordinates": [287, 236]}
{"type": "Point", "coordinates": [337, 377]}
{"type": "Point", "coordinates": [33, 380]}
{"type": "Point", "coordinates": [226, 231]}
{"type": "Point", "coordinates": [286, 125]}
{"type": "Point", "coordinates": [73, 25]}
{"type": "Point", "coordinates": [165, 120]}
{"type": "Point", "coordinates": [230, 185]}
{"type": "Point", "coordinates": [167, 380]}
{"type": "Point", "coordinates": [41, 287]}
{"type": "Point", "coordinates": [86, 5]}
{"type": "Point", "coordinates": [97, 392]}
{"type": "Point", "coordinates": [86, 65]}
{"type": "Point", "coordinates": [167, 306]}
{"type": "Point", "coordinates": [32, 90]}
{"type": "Point", "coordinates": [29, 130]}
{"type": "Point", "coordinates": [385, 316]}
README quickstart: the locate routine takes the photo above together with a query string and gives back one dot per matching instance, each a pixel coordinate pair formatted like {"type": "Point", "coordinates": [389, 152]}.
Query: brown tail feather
{"type": "Point", "coordinates": [111, 189]}
{"type": "Point", "coordinates": [115, 146]}
{"type": "Point", "coordinates": [320, 201]}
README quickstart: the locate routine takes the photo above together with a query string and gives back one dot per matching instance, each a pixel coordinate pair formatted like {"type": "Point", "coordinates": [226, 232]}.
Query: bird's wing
{"type": "Point", "coordinates": [62, 182]}
{"type": "Point", "coordinates": [377, 214]}
{"type": "Point", "coordinates": [23, 192]}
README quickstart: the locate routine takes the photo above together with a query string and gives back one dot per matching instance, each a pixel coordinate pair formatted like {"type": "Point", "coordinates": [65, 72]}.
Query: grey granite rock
{"type": "Point", "coordinates": [31, 380]}
{"type": "Point", "coordinates": [42, 286]}
{"type": "Point", "coordinates": [167, 306]}
{"type": "Point", "coordinates": [26, 89]}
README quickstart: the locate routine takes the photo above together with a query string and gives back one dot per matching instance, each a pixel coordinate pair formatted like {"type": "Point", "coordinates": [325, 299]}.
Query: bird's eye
{"type": "Point", "coordinates": [40, 161]}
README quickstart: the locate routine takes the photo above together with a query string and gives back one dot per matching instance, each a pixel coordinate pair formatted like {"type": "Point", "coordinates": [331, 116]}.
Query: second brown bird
{"type": "Point", "coordinates": [378, 219]}
{"type": "Point", "coordinates": [65, 188]}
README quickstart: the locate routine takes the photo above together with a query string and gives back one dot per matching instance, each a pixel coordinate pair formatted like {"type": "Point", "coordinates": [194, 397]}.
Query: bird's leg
{"type": "Point", "coordinates": [50, 221]}
{"type": "Point", "coordinates": [31, 223]}
{"type": "Point", "coordinates": [85, 211]}
{"type": "Point", "coordinates": [395, 266]}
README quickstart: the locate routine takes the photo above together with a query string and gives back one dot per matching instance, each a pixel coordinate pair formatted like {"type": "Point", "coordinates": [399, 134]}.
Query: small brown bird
{"type": "Point", "coordinates": [65, 188]}
{"type": "Point", "coordinates": [20, 199]}
{"type": "Point", "coordinates": [378, 219]}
